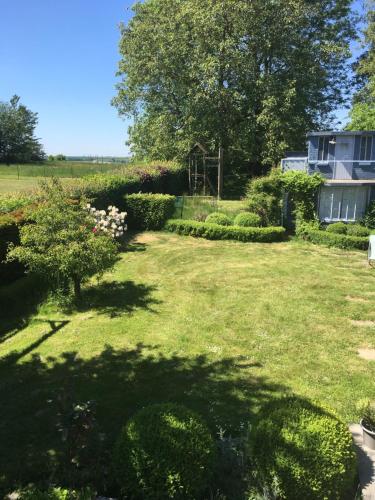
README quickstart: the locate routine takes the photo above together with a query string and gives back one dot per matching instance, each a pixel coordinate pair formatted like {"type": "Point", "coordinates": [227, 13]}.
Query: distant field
{"type": "Point", "coordinates": [55, 169]}
{"type": "Point", "coordinates": [12, 185]}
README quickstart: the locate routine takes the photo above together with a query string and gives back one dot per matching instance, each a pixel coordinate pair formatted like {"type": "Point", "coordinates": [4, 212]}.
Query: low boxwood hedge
{"type": "Point", "coordinates": [306, 448]}
{"type": "Point", "coordinates": [219, 218]}
{"type": "Point", "coordinates": [148, 211]}
{"type": "Point", "coordinates": [217, 232]}
{"type": "Point", "coordinates": [343, 241]}
{"type": "Point", "coordinates": [164, 451]}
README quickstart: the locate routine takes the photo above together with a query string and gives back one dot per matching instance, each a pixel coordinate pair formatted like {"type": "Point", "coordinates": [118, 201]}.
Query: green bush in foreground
{"type": "Point", "coordinates": [247, 219]}
{"type": "Point", "coordinates": [357, 230]}
{"type": "Point", "coordinates": [164, 451]}
{"type": "Point", "coordinates": [307, 448]}
{"type": "Point", "coordinates": [148, 211]}
{"type": "Point", "coordinates": [337, 228]}
{"type": "Point", "coordinates": [219, 218]}
{"type": "Point", "coordinates": [216, 232]}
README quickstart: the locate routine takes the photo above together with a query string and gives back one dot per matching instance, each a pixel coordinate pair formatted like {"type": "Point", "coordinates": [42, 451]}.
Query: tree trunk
{"type": "Point", "coordinates": [77, 288]}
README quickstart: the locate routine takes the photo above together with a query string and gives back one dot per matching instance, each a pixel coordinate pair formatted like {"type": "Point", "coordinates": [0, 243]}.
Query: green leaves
{"type": "Point", "coordinates": [17, 141]}
{"type": "Point", "coordinates": [252, 77]}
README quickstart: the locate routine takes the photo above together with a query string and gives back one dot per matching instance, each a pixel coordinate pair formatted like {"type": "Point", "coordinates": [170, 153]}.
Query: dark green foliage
{"type": "Point", "coordinates": [107, 189]}
{"type": "Point", "coordinates": [357, 230]}
{"type": "Point", "coordinates": [32, 493]}
{"type": "Point", "coordinates": [264, 197]}
{"type": "Point", "coordinates": [17, 140]}
{"type": "Point", "coordinates": [306, 447]}
{"type": "Point", "coordinates": [217, 232]}
{"type": "Point", "coordinates": [219, 218]}
{"type": "Point", "coordinates": [302, 190]}
{"type": "Point", "coordinates": [148, 211]}
{"type": "Point", "coordinates": [164, 451]}
{"type": "Point", "coordinates": [337, 228]}
{"type": "Point", "coordinates": [366, 410]}
{"type": "Point", "coordinates": [9, 233]}
{"type": "Point", "coordinates": [330, 239]}
{"type": "Point", "coordinates": [247, 219]}
{"type": "Point", "coordinates": [369, 218]}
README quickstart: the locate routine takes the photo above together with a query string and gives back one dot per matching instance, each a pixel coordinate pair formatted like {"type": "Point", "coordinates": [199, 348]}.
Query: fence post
{"type": "Point", "coordinates": [18, 172]}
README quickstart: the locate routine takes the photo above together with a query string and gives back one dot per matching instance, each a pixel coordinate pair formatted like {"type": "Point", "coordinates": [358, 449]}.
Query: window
{"type": "Point", "coordinates": [323, 148]}
{"type": "Point", "coordinates": [366, 148]}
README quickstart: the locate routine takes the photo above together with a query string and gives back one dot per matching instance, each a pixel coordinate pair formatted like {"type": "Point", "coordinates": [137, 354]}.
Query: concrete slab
{"type": "Point", "coordinates": [368, 354]}
{"type": "Point", "coordinates": [366, 463]}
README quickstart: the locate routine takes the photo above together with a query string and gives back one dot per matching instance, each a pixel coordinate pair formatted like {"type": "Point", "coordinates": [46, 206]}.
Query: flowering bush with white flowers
{"type": "Point", "coordinates": [111, 221]}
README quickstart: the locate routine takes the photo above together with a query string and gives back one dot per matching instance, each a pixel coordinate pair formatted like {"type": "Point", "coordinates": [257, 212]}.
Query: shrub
{"type": "Point", "coordinates": [62, 244]}
{"type": "Point", "coordinates": [307, 448]}
{"type": "Point", "coordinates": [302, 190]}
{"type": "Point", "coordinates": [366, 409]}
{"type": "Point", "coordinates": [32, 493]}
{"type": "Point", "coordinates": [247, 219]}
{"type": "Point", "coordinates": [369, 218]}
{"type": "Point", "coordinates": [335, 240]}
{"type": "Point", "coordinates": [216, 232]}
{"type": "Point", "coordinates": [219, 218]}
{"type": "Point", "coordinates": [148, 211]}
{"type": "Point", "coordinates": [9, 233]}
{"type": "Point", "coordinates": [357, 230]}
{"type": "Point", "coordinates": [337, 228]}
{"type": "Point", "coordinates": [263, 197]}
{"type": "Point", "coordinates": [164, 451]}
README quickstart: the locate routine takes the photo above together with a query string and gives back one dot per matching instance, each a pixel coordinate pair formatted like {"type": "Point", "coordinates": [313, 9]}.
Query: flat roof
{"type": "Point", "coordinates": [341, 132]}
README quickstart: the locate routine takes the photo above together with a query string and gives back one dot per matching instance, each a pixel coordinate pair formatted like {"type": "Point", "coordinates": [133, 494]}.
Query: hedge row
{"type": "Point", "coordinates": [110, 189]}
{"type": "Point", "coordinates": [343, 241]}
{"type": "Point", "coordinates": [148, 211]}
{"type": "Point", "coordinates": [216, 232]}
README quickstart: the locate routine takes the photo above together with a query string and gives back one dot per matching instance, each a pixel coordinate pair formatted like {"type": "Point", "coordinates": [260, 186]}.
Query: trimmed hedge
{"type": "Point", "coordinates": [110, 189]}
{"type": "Point", "coordinates": [164, 451]}
{"type": "Point", "coordinates": [247, 219]}
{"type": "Point", "coordinates": [307, 448]}
{"type": "Point", "coordinates": [148, 211]}
{"type": "Point", "coordinates": [357, 230]}
{"type": "Point", "coordinates": [219, 218]}
{"type": "Point", "coordinates": [216, 232]}
{"type": "Point", "coordinates": [337, 227]}
{"type": "Point", "coordinates": [343, 241]}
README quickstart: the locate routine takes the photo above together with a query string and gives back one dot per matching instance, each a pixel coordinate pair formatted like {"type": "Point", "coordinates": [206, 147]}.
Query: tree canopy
{"type": "Point", "coordinates": [362, 114]}
{"type": "Point", "coordinates": [252, 77]}
{"type": "Point", "coordinates": [17, 140]}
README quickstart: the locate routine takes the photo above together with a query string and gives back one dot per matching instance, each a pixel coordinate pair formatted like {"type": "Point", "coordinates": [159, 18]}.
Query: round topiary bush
{"type": "Point", "coordinates": [247, 219]}
{"type": "Point", "coordinates": [337, 227]}
{"type": "Point", "coordinates": [164, 451]}
{"type": "Point", "coordinates": [306, 448]}
{"type": "Point", "coordinates": [357, 230]}
{"type": "Point", "coordinates": [219, 218]}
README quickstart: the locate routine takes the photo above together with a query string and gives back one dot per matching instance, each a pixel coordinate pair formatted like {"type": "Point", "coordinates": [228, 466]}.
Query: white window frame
{"type": "Point", "coordinates": [368, 154]}
{"type": "Point", "coordinates": [325, 140]}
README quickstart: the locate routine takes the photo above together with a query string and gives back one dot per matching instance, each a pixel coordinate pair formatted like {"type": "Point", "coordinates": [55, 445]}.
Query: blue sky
{"type": "Point", "coordinates": [61, 56]}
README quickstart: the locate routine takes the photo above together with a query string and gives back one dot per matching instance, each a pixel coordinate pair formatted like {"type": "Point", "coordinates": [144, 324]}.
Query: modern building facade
{"type": "Point", "coordinates": [346, 160]}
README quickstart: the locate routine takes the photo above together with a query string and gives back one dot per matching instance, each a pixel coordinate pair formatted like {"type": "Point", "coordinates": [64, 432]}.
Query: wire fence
{"type": "Point", "coordinates": [198, 207]}
{"type": "Point", "coordinates": [60, 169]}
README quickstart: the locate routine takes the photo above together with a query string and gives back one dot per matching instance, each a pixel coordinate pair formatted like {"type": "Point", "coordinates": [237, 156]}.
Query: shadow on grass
{"type": "Point", "coordinates": [115, 298]}
{"type": "Point", "coordinates": [121, 382]}
{"type": "Point", "coordinates": [18, 302]}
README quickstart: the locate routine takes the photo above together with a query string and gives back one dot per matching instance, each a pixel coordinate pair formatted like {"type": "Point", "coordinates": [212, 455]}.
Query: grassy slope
{"type": "Point", "coordinates": [219, 326]}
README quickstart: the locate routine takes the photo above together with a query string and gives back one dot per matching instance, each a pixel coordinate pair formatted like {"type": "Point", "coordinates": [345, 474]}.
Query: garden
{"type": "Point", "coordinates": [138, 361]}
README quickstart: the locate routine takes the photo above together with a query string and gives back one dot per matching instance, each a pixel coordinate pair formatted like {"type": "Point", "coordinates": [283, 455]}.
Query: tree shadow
{"type": "Point", "coordinates": [115, 298]}
{"type": "Point", "coordinates": [224, 392]}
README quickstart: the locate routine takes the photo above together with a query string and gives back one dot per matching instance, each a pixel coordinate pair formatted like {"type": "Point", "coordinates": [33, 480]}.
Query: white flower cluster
{"type": "Point", "coordinates": [111, 221]}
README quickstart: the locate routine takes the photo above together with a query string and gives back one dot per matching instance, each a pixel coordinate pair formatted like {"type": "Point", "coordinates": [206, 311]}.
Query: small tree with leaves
{"type": "Point", "coordinates": [62, 243]}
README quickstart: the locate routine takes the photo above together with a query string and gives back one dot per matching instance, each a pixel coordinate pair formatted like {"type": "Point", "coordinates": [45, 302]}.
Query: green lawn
{"type": "Point", "coordinates": [222, 327]}
{"type": "Point", "coordinates": [13, 185]}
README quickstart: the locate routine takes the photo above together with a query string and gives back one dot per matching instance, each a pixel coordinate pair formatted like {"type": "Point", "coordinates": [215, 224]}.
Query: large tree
{"type": "Point", "coordinates": [17, 140]}
{"type": "Point", "coordinates": [362, 114]}
{"type": "Point", "coordinates": [251, 76]}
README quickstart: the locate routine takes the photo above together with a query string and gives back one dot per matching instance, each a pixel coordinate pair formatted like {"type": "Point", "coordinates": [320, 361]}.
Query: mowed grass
{"type": "Point", "coordinates": [14, 185]}
{"type": "Point", "coordinates": [222, 327]}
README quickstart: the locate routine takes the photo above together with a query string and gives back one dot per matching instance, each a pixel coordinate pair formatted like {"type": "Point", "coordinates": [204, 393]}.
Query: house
{"type": "Point", "coordinates": [346, 160]}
